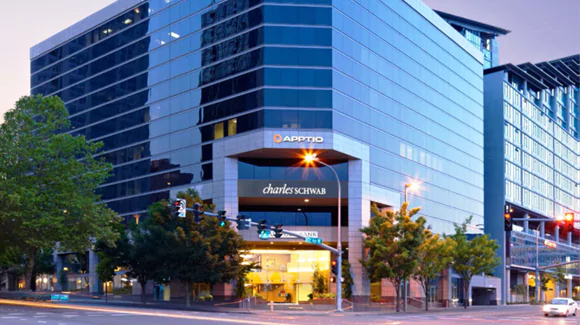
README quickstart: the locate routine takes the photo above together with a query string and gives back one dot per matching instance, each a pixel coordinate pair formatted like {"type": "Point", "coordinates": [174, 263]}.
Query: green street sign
{"type": "Point", "coordinates": [313, 240]}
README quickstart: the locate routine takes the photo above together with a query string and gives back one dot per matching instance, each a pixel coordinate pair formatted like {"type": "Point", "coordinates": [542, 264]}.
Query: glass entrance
{"type": "Point", "coordinates": [285, 275]}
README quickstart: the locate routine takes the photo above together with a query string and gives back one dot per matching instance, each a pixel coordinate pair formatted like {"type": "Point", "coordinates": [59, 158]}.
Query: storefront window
{"type": "Point", "coordinates": [285, 275]}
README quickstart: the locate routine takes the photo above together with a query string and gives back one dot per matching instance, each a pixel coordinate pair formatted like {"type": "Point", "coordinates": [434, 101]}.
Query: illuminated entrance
{"type": "Point", "coordinates": [286, 275]}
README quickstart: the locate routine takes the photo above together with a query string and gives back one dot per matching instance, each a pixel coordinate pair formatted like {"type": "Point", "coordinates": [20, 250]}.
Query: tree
{"type": "Point", "coordinates": [319, 286]}
{"type": "Point", "coordinates": [106, 270]}
{"type": "Point", "coordinates": [544, 280]}
{"type": "Point", "coordinates": [204, 253]}
{"type": "Point", "coordinates": [471, 257]}
{"type": "Point", "coordinates": [48, 180]}
{"type": "Point", "coordinates": [348, 281]}
{"type": "Point", "coordinates": [559, 277]}
{"type": "Point", "coordinates": [242, 278]}
{"type": "Point", "coordinates": [434, 255]}
{"type": "Point", "coordinates": [393, 240]}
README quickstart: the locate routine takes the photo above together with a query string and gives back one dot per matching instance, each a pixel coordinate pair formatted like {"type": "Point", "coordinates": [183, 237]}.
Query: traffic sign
{"type": "Point", "coordinates": [313, 240]}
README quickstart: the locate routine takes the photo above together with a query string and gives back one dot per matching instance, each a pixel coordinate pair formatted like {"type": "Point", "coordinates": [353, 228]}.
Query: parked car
{"type": "Point", "coordinates": [561, 306]}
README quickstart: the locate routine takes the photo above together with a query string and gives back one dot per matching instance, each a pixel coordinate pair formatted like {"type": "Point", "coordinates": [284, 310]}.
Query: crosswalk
{"type": "Point", "coordinates": [41, 317]}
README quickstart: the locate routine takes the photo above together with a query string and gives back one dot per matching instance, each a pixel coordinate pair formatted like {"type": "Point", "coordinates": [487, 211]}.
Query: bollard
{"type": "Point", "coordinates": [271, 305]}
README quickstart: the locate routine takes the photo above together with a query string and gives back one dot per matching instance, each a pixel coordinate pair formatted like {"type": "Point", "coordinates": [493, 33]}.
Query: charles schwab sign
{"type": "Point", "coordinates": [288, 189]}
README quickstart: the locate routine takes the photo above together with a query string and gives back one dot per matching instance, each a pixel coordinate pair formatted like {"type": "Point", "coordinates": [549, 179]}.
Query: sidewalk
{"type": "Point", "coordinates": [132, 302]}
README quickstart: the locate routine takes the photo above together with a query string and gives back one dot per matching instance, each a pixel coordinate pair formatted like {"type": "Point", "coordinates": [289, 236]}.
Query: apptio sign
{"type": "Point", "coordinates": [294, 138]}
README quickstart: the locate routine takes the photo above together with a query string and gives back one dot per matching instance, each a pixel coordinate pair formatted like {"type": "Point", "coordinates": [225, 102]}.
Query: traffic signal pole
{"type": "Point", "coordinates": [294, 234]}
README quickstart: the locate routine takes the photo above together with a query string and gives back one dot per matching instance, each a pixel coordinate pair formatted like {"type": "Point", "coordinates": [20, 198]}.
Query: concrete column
{"type": "Point", "coordinates": [570, 238]}
{"type": "Point", "coordinates": [557, 230]}
{"type": "Point", "coordinates": [507, 283]}
{"type": "Point", "coordinates": [225, 197]}
{"type": "Point", "coordinates": [569, 288]}
{"type": "Point", "coordinates": [57, 260]}
{"type": "Point", "coordinates": [359, 213]}
{"type": "Point", "coordinates": [225, 182]}
{"type": "Point", "coordinates": [526, 284]}
{"type": "Point", "coordinates": [526, 223]}
{"type": "Point", "coordinates": [93, 278]}
{"type": "Point", "coordinates": [543, 230]}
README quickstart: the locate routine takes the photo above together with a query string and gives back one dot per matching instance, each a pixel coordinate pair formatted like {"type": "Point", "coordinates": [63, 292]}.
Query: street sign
{"type": "Point", "coordinates": [181, 207]}
{"type": "Point", "coordinates": [265, 234]}
{"type": "Point", "coordinates": [58, 297]}
{"type": "Point", "coordinates": [313, 240]}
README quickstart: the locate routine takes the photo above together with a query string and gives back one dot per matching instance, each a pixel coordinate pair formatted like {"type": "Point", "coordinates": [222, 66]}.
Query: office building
{"type": "Point", "coordinates": [480, 35]}
{"type": "Point", "coordinates": [532, 161]}
{"type": "Point", "coordinates": [226, 96]}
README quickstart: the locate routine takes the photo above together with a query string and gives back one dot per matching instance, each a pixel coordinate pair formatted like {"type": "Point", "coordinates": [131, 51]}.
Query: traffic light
{"type": "Point", "coordinates": [178, 208]}
{"type": "Point", "coordinates": [278, 231]}
{"type": "Point", "coordinates": [222, 218]}
{"type": "Point", "coordinates": [333, 279]}
{"type": "Point", "coordinates": [197, 212]}
{"type": "Point", "coordinates": [261, 226]}
{"type": "Point", "coordinates": [508, 226]}
{"type": "Point", "coordinates": [333, 266]}
{"type": "Point", "coordinates": [569, 220]}
{"type": "Point", "coordinates": [243, 222]}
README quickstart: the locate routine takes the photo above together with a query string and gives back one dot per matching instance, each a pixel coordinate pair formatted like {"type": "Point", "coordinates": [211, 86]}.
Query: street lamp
{"type": "Point", "coordinates": [408, 185]}
{"type": "Point", "coordinates": [311, 159]}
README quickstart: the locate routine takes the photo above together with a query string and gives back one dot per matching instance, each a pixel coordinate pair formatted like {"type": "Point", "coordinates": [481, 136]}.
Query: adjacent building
{"type": "Point", "coordinates": [532, 161]}
{"type": "Point", "coordinates": [227, 96]}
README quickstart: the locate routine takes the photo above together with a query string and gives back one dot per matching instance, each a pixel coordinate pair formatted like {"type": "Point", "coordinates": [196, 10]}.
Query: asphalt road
{"type": "Point", "coordinates": [522, 315]}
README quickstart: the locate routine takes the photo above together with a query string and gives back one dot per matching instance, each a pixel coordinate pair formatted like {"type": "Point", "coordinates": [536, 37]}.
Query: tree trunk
{"type": "Point", "coordinates": [143, 291]}
{"type": "Point", "coordinates": [426, 288]}
{"type": "Point", "coordinates": [398, 301]}
{"type": "Point", "coordinates": [187, 294]}
{"type": "Point", "coordinates": [465, 294]}
{"type": "Point", "coordinates": [30, 269]}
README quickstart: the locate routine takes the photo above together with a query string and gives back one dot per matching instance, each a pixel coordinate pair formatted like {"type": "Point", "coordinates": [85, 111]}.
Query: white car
{"type": "Point", "coordinates": [561, 306]}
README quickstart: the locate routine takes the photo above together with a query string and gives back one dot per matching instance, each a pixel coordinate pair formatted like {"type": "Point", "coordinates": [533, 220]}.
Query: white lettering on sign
{"type": "Point", "coordinates": [294, 138]}
{"type": "Point", "coordinates": [301, 233]}
{"type": "Point", "coordinates": [288, 190]}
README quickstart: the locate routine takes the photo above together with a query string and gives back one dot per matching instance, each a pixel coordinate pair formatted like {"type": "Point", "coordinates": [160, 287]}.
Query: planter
{"type": "Point", "coordinates": [324, 301]}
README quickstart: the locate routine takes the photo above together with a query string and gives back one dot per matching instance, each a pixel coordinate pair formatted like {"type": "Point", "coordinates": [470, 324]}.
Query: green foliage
{"type": "Point", "coordinates": [393, 241]}
{"type": "Point", "coordinates": [241, 289]}
{"type": "Point", "coordinates": [163, 247]}
{"type": "Point", "coordinates": [544, 280]}
{"type": "Point", "coordinates": [310, 296]}
{"type": "Point", "coordinates": [47, 182]}
{"type": "Point", "coordinates": [559, 275]}
{"type": "Point", "coordinates": [318, 282]}
{"type": "Point", "coordinates": [471, 257]}
{"type": "Point", "coordinates": [348, 280]}
{"type": "Point", "coordinates": [434, 255]}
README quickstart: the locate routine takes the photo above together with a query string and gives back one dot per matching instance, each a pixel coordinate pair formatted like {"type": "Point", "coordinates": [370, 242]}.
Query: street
{"type": "Point", "coordinates": [87, 315]}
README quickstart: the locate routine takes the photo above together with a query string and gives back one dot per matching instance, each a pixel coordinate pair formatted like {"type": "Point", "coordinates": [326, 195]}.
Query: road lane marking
{"type": "Point", "coordinates": [138, 313]}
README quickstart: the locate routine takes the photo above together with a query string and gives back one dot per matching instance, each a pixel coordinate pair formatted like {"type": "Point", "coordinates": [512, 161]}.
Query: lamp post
{"type": "Point", "coordinates": [538, 262]}
{"type": "Point", "coordinates": [408, 185]}
{"type": "Point", "coordinates": [311, 158]}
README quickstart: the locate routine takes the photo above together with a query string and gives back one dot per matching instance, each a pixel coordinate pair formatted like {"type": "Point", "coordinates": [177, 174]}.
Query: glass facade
{"type": "Point", "coordinates": [416, 98]}
{"type": "Point", "coordinates": [163, 80]}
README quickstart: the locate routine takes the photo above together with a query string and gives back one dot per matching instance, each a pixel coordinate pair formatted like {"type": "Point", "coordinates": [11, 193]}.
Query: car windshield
{"type": "Point", "coordinates": [559, 302]}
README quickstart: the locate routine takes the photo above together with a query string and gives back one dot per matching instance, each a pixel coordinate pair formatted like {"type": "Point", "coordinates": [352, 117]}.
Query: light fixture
{"type": "Point", "coordinates": [310, 157]}
{"type": "Point", "coordinates": [174, 35]}
{"type": "Point", "coordinates": [306, 200]}
{"type": "Point", "coordinates": [127, 21]}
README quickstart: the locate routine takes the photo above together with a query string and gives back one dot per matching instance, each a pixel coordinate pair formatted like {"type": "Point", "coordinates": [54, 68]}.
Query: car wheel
{"type": "Point", "coordinates": [545, 314]}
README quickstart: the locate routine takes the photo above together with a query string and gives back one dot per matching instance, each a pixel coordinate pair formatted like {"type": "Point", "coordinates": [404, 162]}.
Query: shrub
{"type": "Point", "coordinates": [208, 298]}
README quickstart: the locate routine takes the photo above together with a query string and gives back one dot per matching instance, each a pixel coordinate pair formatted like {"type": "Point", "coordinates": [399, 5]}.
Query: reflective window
{"type": "Point", "coordinates": [296, 216]}
{"type": "Point", "coordinates": [285, 169]}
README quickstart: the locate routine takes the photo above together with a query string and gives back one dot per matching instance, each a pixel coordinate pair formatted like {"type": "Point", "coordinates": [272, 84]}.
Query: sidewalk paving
{"type": "Point", "coordinates": [84, 299]}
